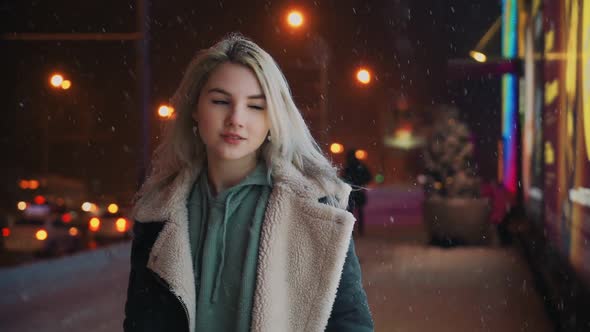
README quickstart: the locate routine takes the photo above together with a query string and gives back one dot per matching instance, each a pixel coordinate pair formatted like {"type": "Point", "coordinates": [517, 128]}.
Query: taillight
{"type": "Point", "coordinates": [39, 200]}
{"type": "Point", "coordinates": [73, 231]}
{"type": "Point", "coordinates": [66, 217]}
{"type": "Point", "coordinates": [121, 225]}
{"type": "Point", "coordinates": [41, 235]}
{"type": "Point", "coordinates": [5, 232]}
{"type": "Point", "coordinates": [94, 224]}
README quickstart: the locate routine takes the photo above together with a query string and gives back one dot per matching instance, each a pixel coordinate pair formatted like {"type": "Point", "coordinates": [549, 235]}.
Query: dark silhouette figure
{"type": "Point", "coordinates": [357, 175]}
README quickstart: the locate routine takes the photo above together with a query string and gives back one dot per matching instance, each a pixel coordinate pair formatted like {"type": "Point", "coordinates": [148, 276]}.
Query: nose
{"type": "Point", "coordinates": [235, 117]}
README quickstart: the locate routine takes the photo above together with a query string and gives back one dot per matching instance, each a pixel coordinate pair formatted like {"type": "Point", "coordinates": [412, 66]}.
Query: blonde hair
{"type": "Point", "coordinates": [291, 139]}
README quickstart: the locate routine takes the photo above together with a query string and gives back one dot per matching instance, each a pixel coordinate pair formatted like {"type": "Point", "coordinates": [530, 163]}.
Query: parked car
{"type": "Point", "coordinates": [41, 230]}
{"type": "Point", "coordinates": [4, 221]}
{"type": "Point", "coordinates": [110, 226]}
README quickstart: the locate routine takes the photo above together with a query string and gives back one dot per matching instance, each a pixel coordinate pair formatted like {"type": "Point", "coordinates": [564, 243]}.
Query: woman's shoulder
{"type": "Point", "coordinates": [158, 204]}
{"type": "Point", "coordinates": [332, 192]}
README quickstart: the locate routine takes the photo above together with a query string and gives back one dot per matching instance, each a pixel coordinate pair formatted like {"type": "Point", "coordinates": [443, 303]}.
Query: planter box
{"type": "Point", "coordinates": [458, 220]}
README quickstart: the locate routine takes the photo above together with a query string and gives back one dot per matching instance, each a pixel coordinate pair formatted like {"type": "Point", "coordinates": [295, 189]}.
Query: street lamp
{"type": "Point", "coordinates": [320, 59]}
{"type": "Point", "coordinates": [58, 81]}
{"type": "Point", "coordinates": [361, 154]}
{"type": "Point", "coordinates": [165, 111]}
{"type": "Point", "coordinates": [478, 56]}
{"type": "Point", "coordinates": [295, 19]}
{"type": "Point", "coordinates": [336, 148]}
{"type": "Point", "coordinates": [66, 84]}
{"type": "Point", "coordinates": [363, 75]}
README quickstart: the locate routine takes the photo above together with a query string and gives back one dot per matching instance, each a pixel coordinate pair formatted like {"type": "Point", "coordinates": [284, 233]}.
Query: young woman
{"type": "Point", "coordinates": [241, 224]}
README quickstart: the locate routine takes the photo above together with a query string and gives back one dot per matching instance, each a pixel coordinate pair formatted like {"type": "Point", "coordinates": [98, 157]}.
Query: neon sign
{"type": "Point", "coordinates": [586, 76]}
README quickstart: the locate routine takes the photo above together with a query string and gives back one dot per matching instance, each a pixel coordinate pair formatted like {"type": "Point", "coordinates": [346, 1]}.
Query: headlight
{"type": "Point", "coordinates": [41, 235]}
{"type": "Point", "coordinates": [121, 225]}
{"type": "Point", "coordinates": [94, 224]}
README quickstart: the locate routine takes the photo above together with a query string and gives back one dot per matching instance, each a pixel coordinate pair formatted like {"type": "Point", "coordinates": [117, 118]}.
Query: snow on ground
{"type": "Point", "coordinates": [413, 287]}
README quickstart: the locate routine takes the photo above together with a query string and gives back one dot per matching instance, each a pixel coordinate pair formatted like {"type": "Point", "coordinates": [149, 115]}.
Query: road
{"type": "Point", "coordinates": [84, 292]}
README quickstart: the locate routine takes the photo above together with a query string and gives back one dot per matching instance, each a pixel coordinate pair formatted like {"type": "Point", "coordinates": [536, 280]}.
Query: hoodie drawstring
{"type": "Point", "coordinates": [215, 294]}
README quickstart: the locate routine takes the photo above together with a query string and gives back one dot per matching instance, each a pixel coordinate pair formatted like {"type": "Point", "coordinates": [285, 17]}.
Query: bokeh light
{"type": "Point", "coordinates": [295, 19]}
{"type": "Point", "coordinates": [363, 76]}
{"type": "Point", "coordinates": [336, 148]}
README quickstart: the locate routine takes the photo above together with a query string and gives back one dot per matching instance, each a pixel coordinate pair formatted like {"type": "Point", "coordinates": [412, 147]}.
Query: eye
{"type": "Point", "coordinates": [256, 107]}
{"type": "Point", "coordinates": [219, 102]}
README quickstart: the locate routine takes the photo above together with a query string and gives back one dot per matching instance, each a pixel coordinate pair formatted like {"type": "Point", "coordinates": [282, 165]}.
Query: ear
{"type": "Point", "coordinates": [195, 115]}
{"type": "Point", "coordinates": [195, 109]}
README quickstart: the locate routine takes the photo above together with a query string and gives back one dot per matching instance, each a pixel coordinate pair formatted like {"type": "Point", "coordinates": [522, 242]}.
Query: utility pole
{"type": "Point", "coordinates": [322, 58]}
{"type": "Point", "coordinates": [143, 85]}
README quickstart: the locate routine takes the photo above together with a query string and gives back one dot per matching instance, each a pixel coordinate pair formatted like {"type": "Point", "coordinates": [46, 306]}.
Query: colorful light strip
{"type": "Point", "coordinates": [509, 95]}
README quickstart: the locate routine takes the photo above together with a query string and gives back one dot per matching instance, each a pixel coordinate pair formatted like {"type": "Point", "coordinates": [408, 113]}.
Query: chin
{"type": "Point", "coordinates": [233, 155]}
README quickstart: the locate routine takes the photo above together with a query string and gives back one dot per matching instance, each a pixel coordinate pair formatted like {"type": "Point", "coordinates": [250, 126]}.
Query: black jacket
{"type": "Point", "coordinates": [151, 306]}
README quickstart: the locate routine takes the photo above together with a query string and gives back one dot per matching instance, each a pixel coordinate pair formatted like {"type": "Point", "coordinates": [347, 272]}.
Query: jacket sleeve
{"type": "Point", "coordinates": [138, 305]}
{"type": "Point", "coordinates": [351, 309]}
{"type": "Point", "coordinates": [150, 305]}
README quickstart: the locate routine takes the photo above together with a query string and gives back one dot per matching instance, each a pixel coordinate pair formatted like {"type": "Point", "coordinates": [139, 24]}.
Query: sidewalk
{"type": "Point", "coordinates": [415, 287]}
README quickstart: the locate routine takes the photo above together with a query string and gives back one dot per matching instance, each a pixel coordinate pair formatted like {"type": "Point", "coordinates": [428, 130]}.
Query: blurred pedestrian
{"type": "Point", "coordinates": [499, 207]}
{"type": "Point", "coordinates": [241, 224]}
{"type": "Point", "coordinates": [357, 175]}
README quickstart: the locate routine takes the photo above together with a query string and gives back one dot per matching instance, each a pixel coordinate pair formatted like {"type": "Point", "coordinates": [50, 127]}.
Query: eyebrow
{"type": "Point", "coordinates": [219, 90]}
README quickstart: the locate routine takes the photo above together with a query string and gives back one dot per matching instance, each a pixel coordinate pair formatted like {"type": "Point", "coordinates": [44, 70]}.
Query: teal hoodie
{"type": "Point", "coordinates": [224, 233]}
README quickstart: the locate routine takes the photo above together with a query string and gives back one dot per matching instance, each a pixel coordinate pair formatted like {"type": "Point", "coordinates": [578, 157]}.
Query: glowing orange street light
{"type": "Point", "coordinates": [361, 154]}
{"type": "Point", "coordinates": [56, 80]}
{"type": "Point", "coordinates": [295, 19]}
{"type": "Point", "coordinates": [478, 56]}
{"type": "Point", "coordinates": [336, 148]}
{"type": "Point", "coordinates": [66, 84]}
{"type": "Point", "coordinates": [363, 76]}
{"type": "Point", "coordinates": [165, 111]}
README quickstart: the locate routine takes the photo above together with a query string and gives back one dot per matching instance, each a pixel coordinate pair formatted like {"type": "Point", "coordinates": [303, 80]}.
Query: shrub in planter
{"type": "Point", "coordinates": [453, 211]}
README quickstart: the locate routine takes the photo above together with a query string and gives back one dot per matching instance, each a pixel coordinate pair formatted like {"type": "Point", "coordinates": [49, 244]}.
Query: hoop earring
{"type": "Point", "coordinates": [195, 130]}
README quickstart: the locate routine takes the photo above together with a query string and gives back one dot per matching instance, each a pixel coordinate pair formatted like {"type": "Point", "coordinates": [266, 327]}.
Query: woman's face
{"type": "Point", "coordinates": [232, 114]}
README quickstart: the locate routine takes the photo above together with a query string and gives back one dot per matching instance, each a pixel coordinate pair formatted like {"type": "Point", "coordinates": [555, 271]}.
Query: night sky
{"type": "Point", "coordinates": [94, 128]}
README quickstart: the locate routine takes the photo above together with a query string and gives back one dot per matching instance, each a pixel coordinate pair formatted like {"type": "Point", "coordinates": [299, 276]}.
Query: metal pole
{"type": "Point", "coordinates": [27, 36]}
{"type": "Point", "coordinates": [45, 166]}
{"type": "Point", "coordinates": [321, 56]}
{"type": "Point", "coordinates": [143, 78]}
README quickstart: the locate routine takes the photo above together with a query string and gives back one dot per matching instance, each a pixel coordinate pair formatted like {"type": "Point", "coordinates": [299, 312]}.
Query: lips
{"type": "Point", "coordinates": [232, 136]}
